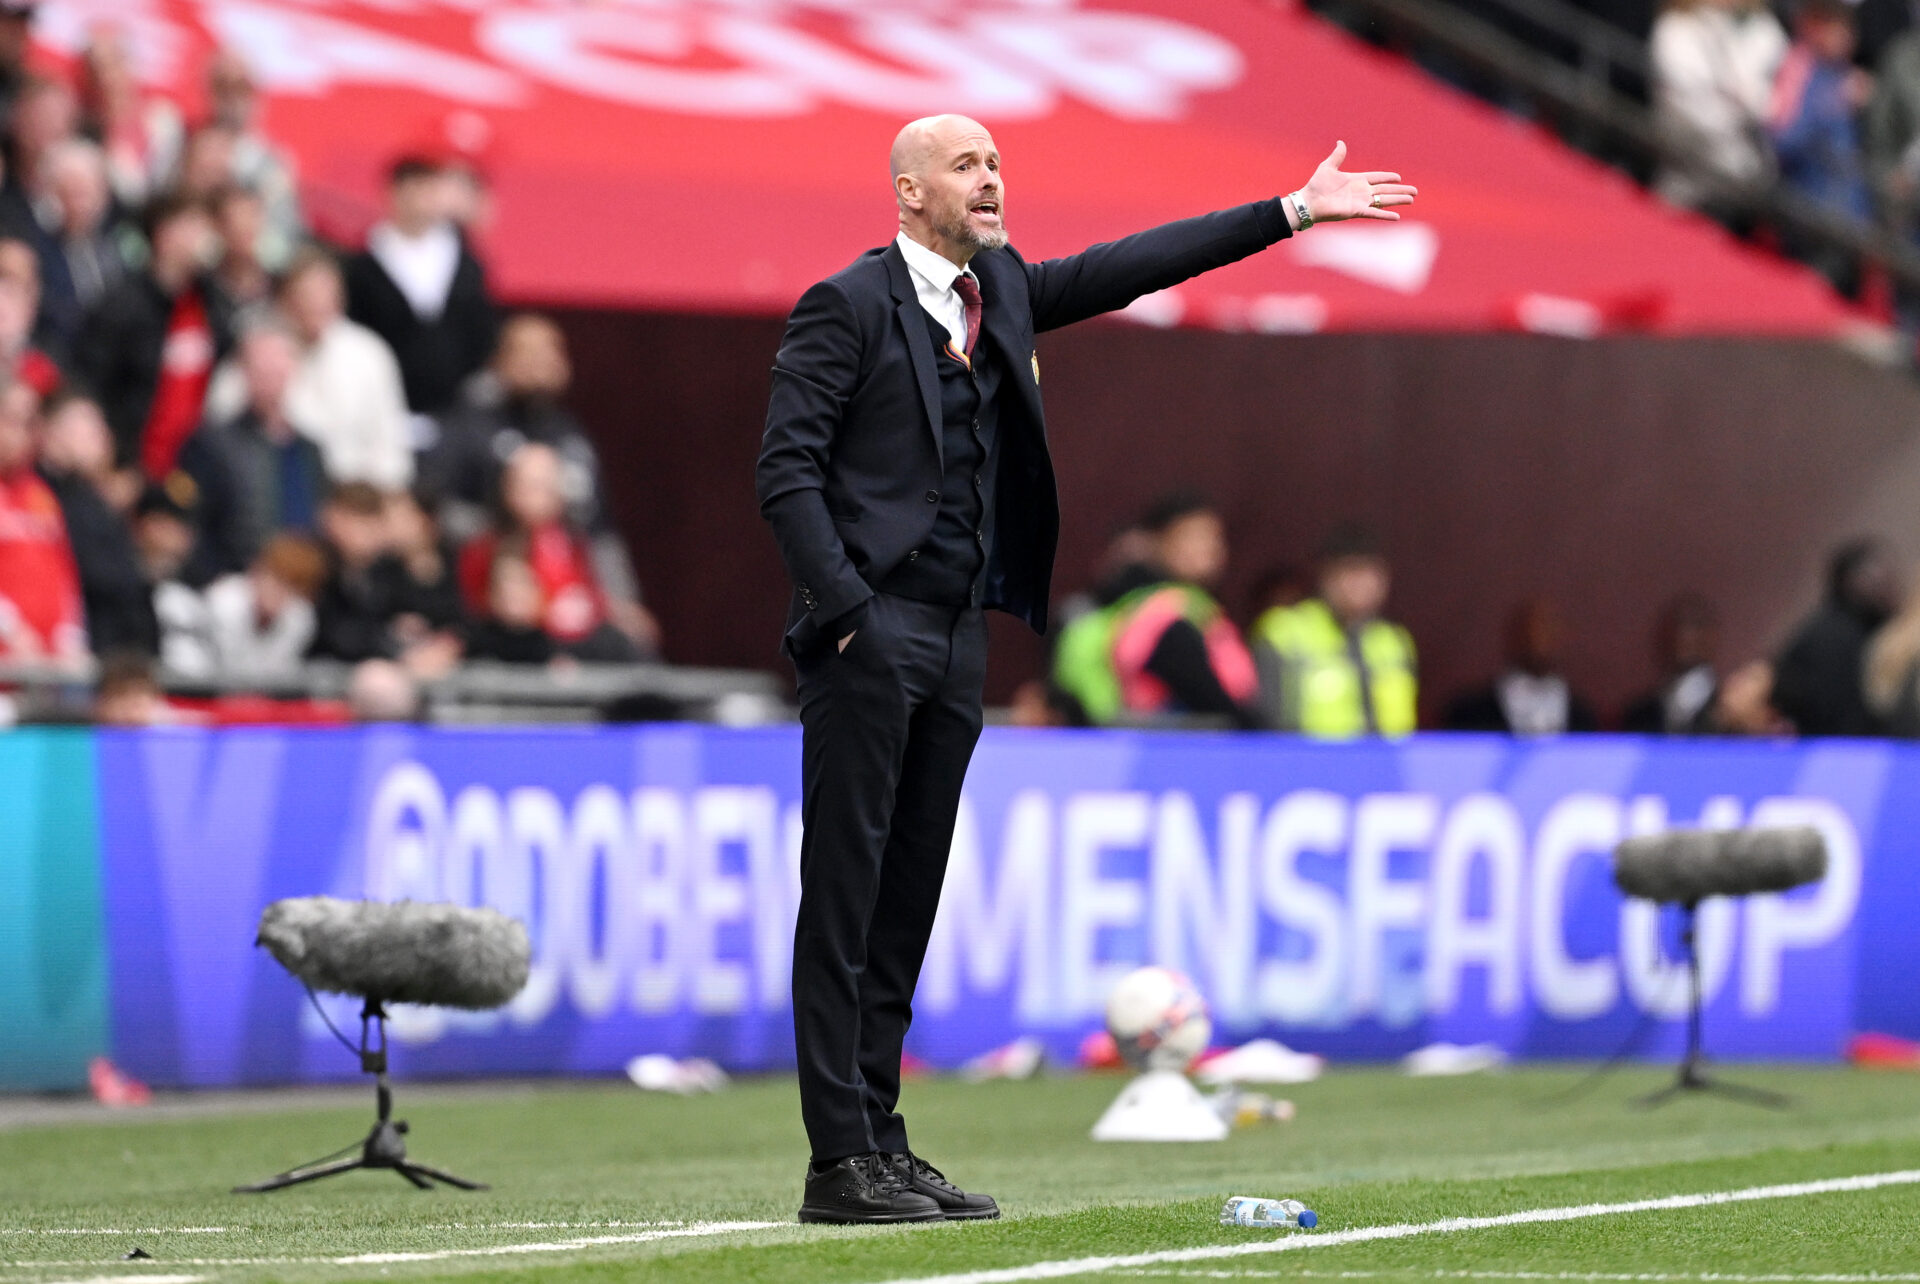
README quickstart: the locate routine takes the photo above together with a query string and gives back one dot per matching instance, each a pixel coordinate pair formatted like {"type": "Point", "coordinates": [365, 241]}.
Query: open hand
{"type": "Point", "coordinates": [1333, 194]}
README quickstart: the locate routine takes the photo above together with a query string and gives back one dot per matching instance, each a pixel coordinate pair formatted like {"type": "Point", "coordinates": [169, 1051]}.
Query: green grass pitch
{"type": "Point", "coordinates": [598, 1182]}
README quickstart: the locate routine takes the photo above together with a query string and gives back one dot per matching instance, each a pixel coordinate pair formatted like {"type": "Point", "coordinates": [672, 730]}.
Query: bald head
{"type": "Point", "coordinates": [946, 181]}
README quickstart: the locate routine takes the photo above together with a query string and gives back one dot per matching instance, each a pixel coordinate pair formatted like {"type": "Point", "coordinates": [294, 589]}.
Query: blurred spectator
{"type": "Point", "coordinates": [261, 624]}
{"type": "Point", "coordinates": [1333, 666]}
{"type": "Point", "coordinates": [577, 611]}
{"type": "Point", "coordinates": [1817, 97]}
{"type": "Point", "coordinates": [1818, 677]}
{"type": "Point", "coordinates": [19, 359]}
{"type": "Point", "coordinates": [206, 163]}
{"type": "Point", "coordinates": [166, 534]}
{"type": "Point", "coordinates": [45, 116]}
{"type": "Point", "coordinates": [91, 247]}
{"type": "Point", "coordinates": [139, 133]}
{"type": "Point", "coordinates": [257, 164]}
{"type": "Point", "coordinates": [256, 472]}
{"type": "Point", "coordinates": [512, 629]}
{"type": "Point", "coordinates": [1285, 584]}
{"type": "Point", "coordinates": [1890, 133]}
{"type": "Point", "coordinates": [346, 394]}
{"type": "Point", "coordinates": [519, 400]}
{"type": "Point", "coordinates": [1164, 645]}
{"type": "Point", "coordinates": [1124, 565]}
{"type": "Point", "coordinates": [382, 691]}
{"type": "Point", "coordinates": [150, 344]}
{"type": "Point", "coordinates": [356, 610]}
{"type": "Point", "coordinates": [16, 37]}
{"type": "Point", "coordinates": [1043, 704]}
{"type": "Point", "coordinates": [1685, 640]}
{"type": "Point", "coordinates": [419, 287]}
{"type": "Point", "coordinates": [126, 694]}
{"type": "Point", "coordinates": [42, 617]}
{"type": "Point", "coordinates": [239, 221]}
{"type": "Point", "coordinates": [424, 592]}
{"type": "Point", "coordinates": [1892, 672]}
{"type": "Point", "coordinates": [1743, 705]}
{"type": "Point", "coordinates": [1713, 70]}
{"type": "Point", "coordinates": [1532, 698]}
{"type": "Point", "coordinates": [76, 458]}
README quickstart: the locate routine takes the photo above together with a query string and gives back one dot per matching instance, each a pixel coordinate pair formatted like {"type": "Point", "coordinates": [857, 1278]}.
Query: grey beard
{"type": "Point", "coordinates": [962, 233]}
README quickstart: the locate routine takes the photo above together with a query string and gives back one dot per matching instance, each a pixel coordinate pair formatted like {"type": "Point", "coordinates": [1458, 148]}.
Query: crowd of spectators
{"type": "Point", "coordinates": [227, 449]}
{"type": "Point", "coordinates": [1819, 96]}
{"type": "Point", "coordinates": [1151, 643]}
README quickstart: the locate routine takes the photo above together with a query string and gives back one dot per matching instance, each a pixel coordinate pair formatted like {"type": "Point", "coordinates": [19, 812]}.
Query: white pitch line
{"type": "Point", "coordinates": [150, 1279]}
{"type": "Point", "coordinates": [1569, 1277]}
{"type": "Point", "coordinates": [561, 1246]}
{"type": "Point", "coordinates": [696, 1229]}
{"type": "Point", "coordinates": [114, 1230]}
{"type": "Point", "coordinates": [228, 1230]}
{"type": "Point", "coordinates": [1447, 1226]}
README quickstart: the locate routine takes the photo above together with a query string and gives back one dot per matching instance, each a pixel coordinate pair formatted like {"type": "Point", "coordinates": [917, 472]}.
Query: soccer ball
{"type": "Point", "coordinates": [1158, 1019]}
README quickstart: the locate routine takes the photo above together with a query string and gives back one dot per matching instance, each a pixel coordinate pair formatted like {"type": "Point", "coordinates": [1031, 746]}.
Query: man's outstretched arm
{"type": "Point", "coordinates": [1110, 276]}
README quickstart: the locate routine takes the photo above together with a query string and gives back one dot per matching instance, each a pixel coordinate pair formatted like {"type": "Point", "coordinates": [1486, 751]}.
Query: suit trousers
{"type": "Point", "coordinates": [888, 726]}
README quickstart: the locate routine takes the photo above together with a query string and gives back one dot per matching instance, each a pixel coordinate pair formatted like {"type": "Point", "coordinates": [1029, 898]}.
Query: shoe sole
{"type": "Point", "coordinates": [835, 1217]}
{"type": "Point", "coordinates": [973, 1215]}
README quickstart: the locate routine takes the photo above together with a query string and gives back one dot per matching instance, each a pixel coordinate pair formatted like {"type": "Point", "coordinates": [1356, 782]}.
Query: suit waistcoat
{"type": "Point", "coordinates": [950, 565]}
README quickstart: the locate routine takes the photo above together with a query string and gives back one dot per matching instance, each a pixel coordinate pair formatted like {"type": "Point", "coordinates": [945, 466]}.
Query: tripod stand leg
{"type": "Point", "coordinates": [294, 1176]}
{"type": "Point", "coordinates": [407, 1170]}
{"type": "Point", "coordinates": [447, 1177]}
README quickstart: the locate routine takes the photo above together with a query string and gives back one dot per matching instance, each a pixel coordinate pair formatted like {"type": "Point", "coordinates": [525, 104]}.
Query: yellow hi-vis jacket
{"type": "Point", "coordinates": [1310, 662]}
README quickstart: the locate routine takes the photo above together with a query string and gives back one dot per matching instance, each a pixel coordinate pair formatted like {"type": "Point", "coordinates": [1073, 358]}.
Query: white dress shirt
{"type": "Point", "coordinates": [347, 396]}
{"type": "Point", "coordinates": [933, 277]}
{"type": "Point", "coordinates": [422, 267]}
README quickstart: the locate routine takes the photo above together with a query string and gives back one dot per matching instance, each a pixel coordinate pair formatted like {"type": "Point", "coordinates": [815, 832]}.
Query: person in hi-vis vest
{"type": "Point", "coordinates": [1331, 666]}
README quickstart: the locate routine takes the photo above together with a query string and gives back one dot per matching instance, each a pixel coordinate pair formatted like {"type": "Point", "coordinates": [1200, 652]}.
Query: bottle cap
{"type": "Point", "coordinates": [1309, 1219]}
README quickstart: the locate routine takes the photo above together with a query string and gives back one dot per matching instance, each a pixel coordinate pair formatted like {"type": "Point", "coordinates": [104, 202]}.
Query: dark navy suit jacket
{"type": "Point", "coordinates": [850, 469]}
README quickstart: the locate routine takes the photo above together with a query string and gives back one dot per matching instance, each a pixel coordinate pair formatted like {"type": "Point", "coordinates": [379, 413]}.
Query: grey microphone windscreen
{"type": "Point", "coordinates": [1689, 865]}
{"type": "Point", "coordinates": [399, 952]}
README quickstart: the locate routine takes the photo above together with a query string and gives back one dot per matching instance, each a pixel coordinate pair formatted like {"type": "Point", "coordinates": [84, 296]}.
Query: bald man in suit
{"type": "Point", "coordinates": [905, 473]}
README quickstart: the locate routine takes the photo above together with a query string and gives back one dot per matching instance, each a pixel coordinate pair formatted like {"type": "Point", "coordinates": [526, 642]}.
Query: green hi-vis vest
{"type": "Point", "coordinates": [1320, 683]}
{"type": "Point", "coordinates": [1083, 657]}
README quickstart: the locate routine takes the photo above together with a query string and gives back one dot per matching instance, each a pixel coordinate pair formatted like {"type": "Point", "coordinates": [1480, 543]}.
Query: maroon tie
{"type": "Point", "coordinates": [969, 291]}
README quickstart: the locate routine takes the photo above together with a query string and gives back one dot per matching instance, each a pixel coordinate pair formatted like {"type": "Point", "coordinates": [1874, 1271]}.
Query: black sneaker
{"type": "Point", "coordinates": [864, 1188]}
{"type": "Point", "coordinates": [956, 1205]}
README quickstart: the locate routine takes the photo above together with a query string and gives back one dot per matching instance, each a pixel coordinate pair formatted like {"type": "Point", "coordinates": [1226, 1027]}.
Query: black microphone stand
{"type": "Point", "coordinates": [385, 1146]}
{"type": "Point", "coordinates": [1691, 1077]}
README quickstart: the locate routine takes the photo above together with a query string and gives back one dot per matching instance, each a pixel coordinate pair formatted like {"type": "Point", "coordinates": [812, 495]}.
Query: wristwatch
{"type": "Point", "coordinates": [1300, 209]}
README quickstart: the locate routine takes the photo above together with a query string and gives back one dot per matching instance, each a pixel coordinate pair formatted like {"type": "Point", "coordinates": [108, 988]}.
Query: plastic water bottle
{"type": "Point", "coordinates": [1270, 1214]}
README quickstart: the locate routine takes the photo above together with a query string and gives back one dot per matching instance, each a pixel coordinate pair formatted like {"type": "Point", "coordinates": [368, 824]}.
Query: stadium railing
{"type": "Point", "coordinates": [474, 693]}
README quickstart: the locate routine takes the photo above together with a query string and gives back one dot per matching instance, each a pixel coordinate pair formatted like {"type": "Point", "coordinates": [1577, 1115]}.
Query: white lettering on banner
{"type": "Point", "coordinates": [304, 53]}
{"type": "Point", "coordinates": [660, 831]}
{"type": "Point", "coordinates": [1004, 61]}
{"type": "Point", "coordinates": [1571, 989]}
{"type": "Point", "coordinates": [1482, 830]}
{"type": "Point", "coordinates": [664, 900]}
{"type": "Point", "coordinates": [724, 817]}
{"type": "Point", "coordinates": [1303, 987]}
{"type": "Point", "coordinates": [1196, 928]}
{"type": "Point", "coordinates": [1385, 909]}
{"type": "Point", "coordinates": [1092, 902]}
{"type": "Point", "coordinates": [537, 841]}
{"type": "Point", "coordinates": [599, 839]}
{"type": "Point", "coordinates": [1805, 919]}
{"type": "Point", "coordinates": [992, 931]}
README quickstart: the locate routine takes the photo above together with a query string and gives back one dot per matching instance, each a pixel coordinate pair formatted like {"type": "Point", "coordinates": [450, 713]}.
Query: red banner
{"type": "Point", "coordinates": [720, 156]}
